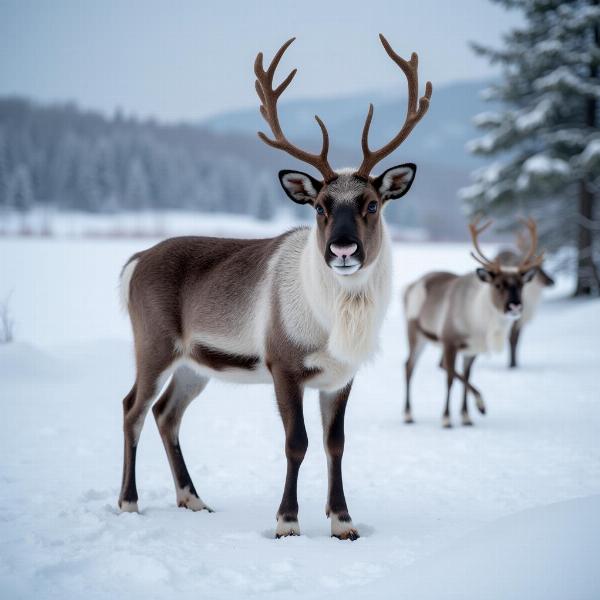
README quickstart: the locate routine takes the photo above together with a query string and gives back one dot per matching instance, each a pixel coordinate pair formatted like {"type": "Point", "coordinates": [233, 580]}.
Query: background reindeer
{"type": "Point", "coordinates": [302, 309]}
{"type": "Point", "coordinates": [468, 314]}
{"type": "Point", "coordinates": [532, 294]}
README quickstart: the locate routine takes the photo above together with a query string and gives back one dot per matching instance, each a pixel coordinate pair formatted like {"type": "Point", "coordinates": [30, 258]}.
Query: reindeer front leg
{"type": "Point", "coordinates": [515, 331]}
{"type": "Point", "coordinates": [333, 408]}
{"type": "Point", "coordinates": [289, 393]}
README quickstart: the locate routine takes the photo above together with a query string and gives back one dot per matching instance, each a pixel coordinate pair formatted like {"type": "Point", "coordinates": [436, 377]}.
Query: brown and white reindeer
{"type": "Point", "coordinates": [532, 295]}
{"type": "Point", "coordinates": [303, 309]}
{"type": "Point", "coordinates": [467, 314]}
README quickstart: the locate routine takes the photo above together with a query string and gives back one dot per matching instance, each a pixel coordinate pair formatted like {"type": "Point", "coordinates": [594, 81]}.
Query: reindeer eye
{"type": "Point", "coordinates": [320, 210]}
{"type": "Point", "coordinates": [372, 207]}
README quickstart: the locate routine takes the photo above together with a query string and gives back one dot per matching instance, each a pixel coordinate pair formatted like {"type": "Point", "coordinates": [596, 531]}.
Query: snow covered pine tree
{"type": "Point", "coordinates": [546, 131]}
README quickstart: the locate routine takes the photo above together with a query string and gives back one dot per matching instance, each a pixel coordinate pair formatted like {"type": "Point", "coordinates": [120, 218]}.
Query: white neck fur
{"type": "Point", "coordinates": [350, 308]}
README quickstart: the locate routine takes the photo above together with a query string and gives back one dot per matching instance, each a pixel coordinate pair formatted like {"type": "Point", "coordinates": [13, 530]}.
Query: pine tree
{"type": "Point", "coordinates": [21, 197]}
{"type": "Point", "coordinates": [87, 181]}
{"type": "Point", "coordinates": [546, 134]}
{"type": "Point", "coordinates": [262, 202]}
{"type": "Point", "coordinates": [137, 189]}
{"type": "Point", "coordinates": [4, 175]}
{"type": "Point", "coordinates": [106, 177]}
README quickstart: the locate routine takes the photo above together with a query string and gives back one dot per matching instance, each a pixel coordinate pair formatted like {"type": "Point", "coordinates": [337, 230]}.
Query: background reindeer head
{"type": "Point", "coordinates": [347, 202]}
{"type": "Point", "coordinates": [507, 281]}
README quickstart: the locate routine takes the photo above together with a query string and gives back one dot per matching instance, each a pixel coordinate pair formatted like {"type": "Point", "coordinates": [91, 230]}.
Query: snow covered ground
{"type": "Point", "coordinates": [507, 509]}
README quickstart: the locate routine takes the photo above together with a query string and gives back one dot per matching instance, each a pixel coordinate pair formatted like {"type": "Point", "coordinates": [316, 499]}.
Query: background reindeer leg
{"type": "Point", "coordinates": [449, 364]}
{"type": "Point", "coordinates": [468, 385]}
{"type": "Point", "coordinates": [467, 364]}
{"type": "Point", "coordinates": [515, 332]}
{"type": "Point", "coordinates": [416, 342]}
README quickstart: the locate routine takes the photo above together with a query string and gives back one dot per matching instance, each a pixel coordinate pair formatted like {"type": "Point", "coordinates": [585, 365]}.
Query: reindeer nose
{"type": "Point", "coordinates": [515, 308]}
{"type": "Point", "coordinates": [343, 251]}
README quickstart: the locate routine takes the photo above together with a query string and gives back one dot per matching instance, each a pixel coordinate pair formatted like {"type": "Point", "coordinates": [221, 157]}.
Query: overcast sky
{"type": "Point", "coordinates": [186, 60]}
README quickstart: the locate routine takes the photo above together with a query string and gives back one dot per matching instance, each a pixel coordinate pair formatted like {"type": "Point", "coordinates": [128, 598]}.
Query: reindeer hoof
{"type": "Point", "coordinates": [408, 418]}
{"type": "Point", "coordinates": [466, 421]}
{"type": "Point", "coordinates": [342, 527]}
{"type": "Point", "coordinates": [351, 535]}
{"type": "Point", "coordinates": [446, 423]}
{"type": "Point", "coordinates": [286, 527]}
{"type": "Point", "coordinates": [128, 507]}
{"type": "Point", "coordinates": [195, 505]}
{"type": "Point", "coordinates": [186, 499]}
{"type": "Point", "coordinates": [480, 405]}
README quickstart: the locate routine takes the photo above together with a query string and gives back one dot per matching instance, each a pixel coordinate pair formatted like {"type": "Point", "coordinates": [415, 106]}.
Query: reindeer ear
{"type": "Point", "coordinates": [545, 278]}
{"type": "Point", "coordinates": [528, 275]}
{"type": "Point", "coordinates": [485, 275]}
{"type": "Point", "coordinates": [395, 182]}
{"type": "Point", "coordinates": [300, 187]}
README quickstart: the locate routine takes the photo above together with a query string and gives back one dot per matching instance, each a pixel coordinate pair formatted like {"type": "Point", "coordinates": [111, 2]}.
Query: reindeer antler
{"type": "Point", "coordinates": [530, 260]}
{"type": "Point", "coordinates": [414, 112]}
{"type": "Point", "coordinates": [476, 231]}
{"type": "Point", "coordinates": [268, 109]}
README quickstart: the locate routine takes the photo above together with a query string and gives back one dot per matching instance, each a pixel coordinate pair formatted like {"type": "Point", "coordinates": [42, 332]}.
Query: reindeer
{"type": "Point", "coordinates": [531, 295]}
{"type": "Point", "coordinates": [303, 309]}
{"type": "Point", "coordinates": [467, 314]}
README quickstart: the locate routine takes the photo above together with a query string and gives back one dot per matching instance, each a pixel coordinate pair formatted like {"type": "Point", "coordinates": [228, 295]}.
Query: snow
{"type": "Point", "coordinates": [590, 157]}
{"type": "Point", "coordinates": [542, 169]}
{"type": "Point", "coordinates": [506, 509]}
{"type": "Point", "coordinates": [528, 120]}
{"type": "Point", "coordinates": [142, 224]}
{"type": "Point", "coordinates": [548, 47]}
{"type": "Point", "coordinates": [536, 554]}
{"type": "Point", "coordinates": [541, 164]}
{"type": "Point", "coordinates": [578, 17]}
{"type": "Point", "coordinates": [488, 119]}
{"type": "Point", "coordinates": [485, 143]}
{"type": "Point", "coordinates": [566, 78]}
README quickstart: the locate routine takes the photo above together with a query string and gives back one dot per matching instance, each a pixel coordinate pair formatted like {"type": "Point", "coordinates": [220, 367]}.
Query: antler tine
{"type": "Point", "coordinates": [268, 98]}
{"type": "Point", "coordinates": [521, 243]}
{"type": "Point", "coordinates": [415, 111]}
{"type": "Point", "coordinates": [480, 257]}
{"type": "Point", "coordinates": [530, 260]}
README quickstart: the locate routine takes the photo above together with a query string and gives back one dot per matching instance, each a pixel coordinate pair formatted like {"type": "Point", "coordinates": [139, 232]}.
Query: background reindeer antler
{"type": "Point", "coordinates": [476, 231]}
{"type": "Point", "coordinates": [530, 259]}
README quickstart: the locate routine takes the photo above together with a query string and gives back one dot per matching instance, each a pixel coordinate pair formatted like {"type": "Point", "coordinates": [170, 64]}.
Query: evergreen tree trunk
{"type": "Point", "coordinates": [588, 281]}
{"type": "Point", "coordinates": [587, 273]}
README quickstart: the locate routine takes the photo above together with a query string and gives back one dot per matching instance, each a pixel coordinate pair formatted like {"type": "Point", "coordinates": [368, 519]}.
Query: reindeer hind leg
{"type": "Point", "coordinates": [150, 379]}
{"type": "Point", "coordinates": [467, 364]}
{"type": "Point", "coordinates": [185, 386]}
{"type": "Point", "coordinates": [416, 343]}
{"type": "Point", "coordinates": [449, 363]}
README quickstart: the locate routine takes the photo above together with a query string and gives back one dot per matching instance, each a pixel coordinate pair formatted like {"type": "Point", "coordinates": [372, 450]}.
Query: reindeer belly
{"type": "Point", "coordinates": [229, 358]}
{"type": "Point", "coordinates": [232, 374]}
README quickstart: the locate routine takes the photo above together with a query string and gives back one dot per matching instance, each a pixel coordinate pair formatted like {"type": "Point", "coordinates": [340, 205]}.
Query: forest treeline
{"type": "Point", "coordinates": [68, 159]}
